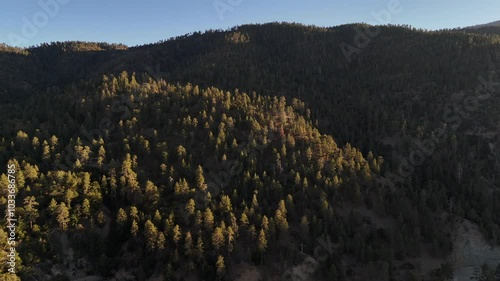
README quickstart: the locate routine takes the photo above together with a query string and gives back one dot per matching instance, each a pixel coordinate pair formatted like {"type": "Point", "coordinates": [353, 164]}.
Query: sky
{"type": "Point", "coordinates": [30, 22]}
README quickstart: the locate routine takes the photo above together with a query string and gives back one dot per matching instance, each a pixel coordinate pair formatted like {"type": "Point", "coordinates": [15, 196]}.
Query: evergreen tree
{"type": "Point", "coordinates": [30, 205]}
{"type": "Point", "coordinates": [220, 266]}
{"type": "Point", "coordinates": [62, 216]}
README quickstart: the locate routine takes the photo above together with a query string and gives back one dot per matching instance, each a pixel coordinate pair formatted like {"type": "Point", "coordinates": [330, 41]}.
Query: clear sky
{"type": "Point", "coordinates": [30, 22]}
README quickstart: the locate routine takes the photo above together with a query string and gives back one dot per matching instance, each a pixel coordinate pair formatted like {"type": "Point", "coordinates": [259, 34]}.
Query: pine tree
{"type": "Point", "coordinates": [46, 151]}
{"type": "Point", "coordinates": [134, 229]}
{"type": "Point", "coordinates": [190, 207]}
{"type": "Point", "coordinates": [62, 216]}
{"type": "Point", "coordinates": [134, 213]}
{"type": "Point", "coordinates": [151, 194]}
{"type": "Point", "coordinates": [101, 156]}
{"type": "Point", "coordinates": [332, 273]}
{"type": "Point", "coordinates": [218, 238]}
{"type": "Point", "coordinates": [101, 218]}
{"type": "Point", "coordinates": [121, 217]}
{"type": "Point", "coordinates": [304, 226]}
{"type": "Point", "coordinates": [198, 218]}
{"type": "Point", "coordinates": [200, 179]}
{"type": "Point", "coordinates": [265, 224]}
{"type": "Point", "coordinates": [221, 268]}
{"type": "Point", "coordinates": [188, 245]}
{"type": "Point", "coordinates": [160, 241]}
{"type": "Point", "coordinates": [86, 208]}
{"type": "Point", "coordinates": [244, 220]}
{"type": "Point", "coordinates": [255, 202]}
{"type": "Point", "coordinates": [225, 204]}
{"type": "Point", "coordinates": [208, 219]}
{"type": "Point", "coordinates": [30, 205]}
{"type": "Point", "coordinates": [157, 218]}
{"type": "Point", "coordinates": [230, 240]}
{"type": "Point", "coordinates": [281, 221]}
{"type": "Point", "coordinates": [150, 235]}
{"type": "Point", "coordinates": [200, 249]}
{"type": "Point", "coordinates": [262, 244]}
{"type": "Point", "coordinates": [176, 234]}
{"type": "Point", "coordinates": [52, 206]}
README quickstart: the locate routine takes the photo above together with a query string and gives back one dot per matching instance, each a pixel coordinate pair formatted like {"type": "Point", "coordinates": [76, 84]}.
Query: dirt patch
{"type": "Point", "coordinates": [246, 272]}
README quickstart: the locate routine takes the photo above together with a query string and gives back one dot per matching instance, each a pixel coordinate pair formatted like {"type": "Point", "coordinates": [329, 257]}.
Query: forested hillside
{"type": "Point", "coordinates": [211, 153]}
{"type": "Point", "coordinates": [489, 28]}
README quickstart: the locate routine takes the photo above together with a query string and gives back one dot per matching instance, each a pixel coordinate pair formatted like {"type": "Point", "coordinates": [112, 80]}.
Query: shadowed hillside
{"type": "Point", "coordinates": [222, 152]}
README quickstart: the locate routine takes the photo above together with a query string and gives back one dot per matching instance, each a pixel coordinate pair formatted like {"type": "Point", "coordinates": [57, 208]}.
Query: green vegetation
{"type": "Point", "coordinates": [247, 146]}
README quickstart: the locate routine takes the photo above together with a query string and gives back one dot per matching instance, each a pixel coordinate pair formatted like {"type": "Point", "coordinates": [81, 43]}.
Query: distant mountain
{"type": "Point", "coordinates": [495, 23]}
{"type": "Point", "coordinates": [488, 28]}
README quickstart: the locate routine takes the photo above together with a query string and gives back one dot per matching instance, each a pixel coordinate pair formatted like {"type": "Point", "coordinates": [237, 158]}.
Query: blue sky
{"type": "Point", "coordinates": [27, 23]}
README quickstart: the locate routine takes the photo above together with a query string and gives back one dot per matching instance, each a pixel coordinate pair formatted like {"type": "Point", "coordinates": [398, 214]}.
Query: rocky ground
{"type": "Point", "coordinates": [472, 251]}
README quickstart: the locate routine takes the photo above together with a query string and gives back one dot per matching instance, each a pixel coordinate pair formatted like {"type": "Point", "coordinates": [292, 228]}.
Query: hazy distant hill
{"type": "Point", "coordinates": [495, 23]}
{"type": "Point", "coordinates": [488, 28]}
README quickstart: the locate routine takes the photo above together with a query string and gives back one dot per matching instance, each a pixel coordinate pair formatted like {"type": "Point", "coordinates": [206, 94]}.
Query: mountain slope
{"type": "Point", "coordinates": [176, 167]}
{"type": "Point", "coordinates": [488, 28]}
{"type": "Point", "coordinates": [396, 93]}
{"type": "Point", "coordinates": [491, 24]}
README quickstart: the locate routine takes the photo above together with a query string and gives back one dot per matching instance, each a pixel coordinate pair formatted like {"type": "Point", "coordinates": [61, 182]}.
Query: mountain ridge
{"type": "Point", "coordinates": [494, 23]}
{"type": "Point", "coordinates": [315, 131]}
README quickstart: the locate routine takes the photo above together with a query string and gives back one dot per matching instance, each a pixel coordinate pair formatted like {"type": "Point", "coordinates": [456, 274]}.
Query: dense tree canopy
{"type": "Point", "coordinates": [203, 152]}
